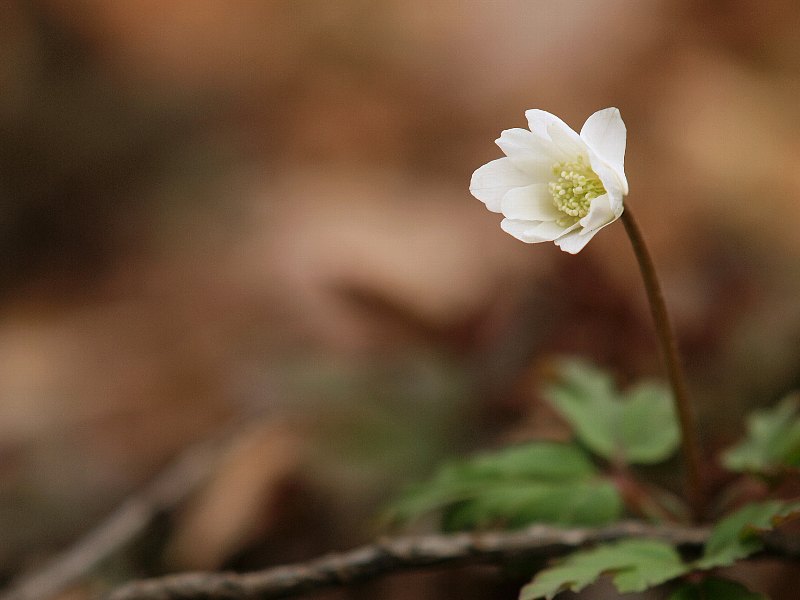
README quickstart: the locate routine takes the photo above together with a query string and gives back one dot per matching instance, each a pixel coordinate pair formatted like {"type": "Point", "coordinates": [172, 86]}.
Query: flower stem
{"type": "Point", "coordinates": [669, 349]}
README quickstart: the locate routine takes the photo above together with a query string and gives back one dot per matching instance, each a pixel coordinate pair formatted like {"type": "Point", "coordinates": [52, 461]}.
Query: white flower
{"type": "Point", "coordinates": [555, 185]}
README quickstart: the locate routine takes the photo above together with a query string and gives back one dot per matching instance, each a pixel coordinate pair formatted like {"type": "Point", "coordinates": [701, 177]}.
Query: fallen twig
{"type": "Point", "coordinates": [391, 555]}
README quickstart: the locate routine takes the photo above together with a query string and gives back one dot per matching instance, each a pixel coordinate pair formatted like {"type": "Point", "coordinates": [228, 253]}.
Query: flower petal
{"type": "Point", "coordinates": [570, 145]}
{"type": "Point", "coordinates": [530, 203]}
{"type": "Point", "coordinates": [530, 153]}
{"type": "Point", "coordinates": [575, 241]}
{"type": "Point", "coordinates": [615, 186]}
{"type": "Point", "coordinates": [532, 232]}
{"type": "Point", "coordinates": [600, 213]}
{"type": "Point", "coordinates": [605, 133]}
{"type": "Point", "coordinates": [540, 120]}
{"type": "Point", "coordinates": [494, 179]}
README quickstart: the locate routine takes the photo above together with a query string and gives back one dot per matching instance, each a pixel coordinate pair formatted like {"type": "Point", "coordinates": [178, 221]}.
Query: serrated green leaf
{"type": "Point", "coordinates": [772, 441]}
{"type": "Point", "coordinates": [635, 565]}
{"type": "Point", "coordinates": [715, 588]}
{"type": "Point", "coordinates": [637, 427]}
{"type": "Point", "coordinates": [537, 482]}
{"type": "Point", "coordinates": [736, 536]}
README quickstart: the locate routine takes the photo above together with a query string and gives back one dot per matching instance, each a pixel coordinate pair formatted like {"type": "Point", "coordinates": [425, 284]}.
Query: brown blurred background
{"type": "Point", "coordinates": [222, 210]}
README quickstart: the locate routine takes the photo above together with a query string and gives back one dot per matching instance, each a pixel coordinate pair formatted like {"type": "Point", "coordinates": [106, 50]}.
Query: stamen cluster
{"type": "Point", "coordinates": [575, 187]}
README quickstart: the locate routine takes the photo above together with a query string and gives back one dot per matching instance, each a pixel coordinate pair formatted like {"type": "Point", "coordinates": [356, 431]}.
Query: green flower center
{"type": "Point", "coordinates": [575, 187]}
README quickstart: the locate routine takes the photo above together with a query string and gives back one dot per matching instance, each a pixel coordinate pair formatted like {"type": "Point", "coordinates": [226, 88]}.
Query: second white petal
{"type": "Point", "coordinates": [530, 203]}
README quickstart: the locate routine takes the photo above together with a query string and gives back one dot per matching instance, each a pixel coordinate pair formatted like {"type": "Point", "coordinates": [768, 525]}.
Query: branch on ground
{"type": "Point", "coordinates": [393, 555]}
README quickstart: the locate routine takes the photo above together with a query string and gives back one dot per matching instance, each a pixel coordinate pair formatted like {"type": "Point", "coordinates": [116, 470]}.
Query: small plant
{"type": "Point", "coordinates": [561, 484]}
{"type": "Point", "coordinates": [556, 185]}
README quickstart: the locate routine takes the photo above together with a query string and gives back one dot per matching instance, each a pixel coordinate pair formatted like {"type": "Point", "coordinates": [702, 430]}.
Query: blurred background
{"type": "Point", "coordinates": [236, 211]}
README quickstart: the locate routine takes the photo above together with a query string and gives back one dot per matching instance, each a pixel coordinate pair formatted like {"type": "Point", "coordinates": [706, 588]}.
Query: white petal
{"type": "Point", "coordinates": [493, 180]}
{"type": "Point", "coordinates": [569, 143]}
{"type": "Point", "coordinates": [575, 241]}
{"type": "Point", "coordinates": [605, 133]}
{"type": "Point", "coordinates": [611, 180]}
{"type": "Point", "coordinates": [600, 213]}
{"type": "Point", "coordinates": [617, 207]}
{"type": "Point", "coordinates": [530, 203]}
{"type": "Point", "coordinates": [532, 232]}
{"type": "Point", "coordinates": [530, 153]}
{"type": "Point", "coordinates": [539, 120]}
{"type": "Point", "coordinates": [603, 212]}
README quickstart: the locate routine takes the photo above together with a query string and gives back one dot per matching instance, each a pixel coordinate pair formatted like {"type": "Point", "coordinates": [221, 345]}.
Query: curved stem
{"type": "Point", "coordinates": [669, 348]}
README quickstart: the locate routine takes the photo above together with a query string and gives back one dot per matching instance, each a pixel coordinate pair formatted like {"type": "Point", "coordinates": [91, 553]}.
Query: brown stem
{"type": "Point", "coordinates": [669, 348]}
{"type": "Point", "coordinates": [642, 500]}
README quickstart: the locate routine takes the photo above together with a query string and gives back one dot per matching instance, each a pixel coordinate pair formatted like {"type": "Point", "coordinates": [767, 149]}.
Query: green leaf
{"type": "Point", "coordinates": [649, 431]}
{"type": "Point", "coordinates": [516, 504]}
{"type": "Point", "coordinates": [547, 461]}
{"type": "Point", "coordinates": [772, 441]}
{"type": "Point", "coordinates": [637, 427]}
{"type": "Point", "coordinates": [715, 588]}
{"type": "Point", "coordinates": [736, 536]}
{"type": "Point", "coordinates": [635, 565]}
{"type": "Point", "coordinates": [537, 482]}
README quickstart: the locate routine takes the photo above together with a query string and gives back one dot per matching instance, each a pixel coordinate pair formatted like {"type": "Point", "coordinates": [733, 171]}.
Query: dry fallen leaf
{"type": "Point", "coordinates": [238, 504]}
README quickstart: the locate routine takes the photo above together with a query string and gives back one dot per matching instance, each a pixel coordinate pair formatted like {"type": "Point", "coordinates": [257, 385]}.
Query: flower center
{"type": "Point", "coordinates": [575, 187]}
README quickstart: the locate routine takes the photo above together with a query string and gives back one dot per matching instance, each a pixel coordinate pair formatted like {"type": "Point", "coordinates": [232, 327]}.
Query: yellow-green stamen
{"type": "Point", "coordinates": [575, 187]}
